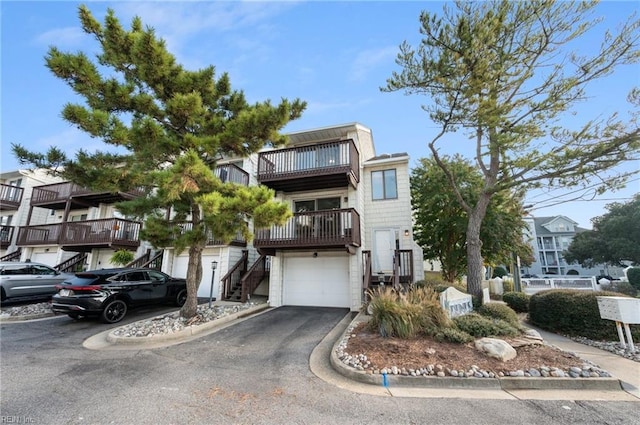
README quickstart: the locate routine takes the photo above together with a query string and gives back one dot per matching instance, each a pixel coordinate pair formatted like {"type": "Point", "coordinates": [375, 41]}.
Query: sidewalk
{"type": "Point", "coordinates": [627, 371]}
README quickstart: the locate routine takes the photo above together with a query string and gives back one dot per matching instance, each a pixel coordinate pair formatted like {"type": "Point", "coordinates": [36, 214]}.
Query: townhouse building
{"type": "Point", "coordinates": [549, 238]}
{"type": "Point", "coordinates": [351, 226]}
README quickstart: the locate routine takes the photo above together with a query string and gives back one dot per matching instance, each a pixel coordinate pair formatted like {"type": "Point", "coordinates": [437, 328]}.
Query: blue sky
{"type": "Point", "coordinates": [334, 55]}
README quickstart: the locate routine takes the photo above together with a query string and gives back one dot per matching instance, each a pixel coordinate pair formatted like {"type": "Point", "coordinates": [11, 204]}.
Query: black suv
{"type": "Point", "coordinates": [109, 293]}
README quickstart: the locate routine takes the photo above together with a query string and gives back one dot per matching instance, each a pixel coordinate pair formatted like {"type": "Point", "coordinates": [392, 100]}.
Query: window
{"type": "Point", "coordinates": [80, 217]}
{"type": "Point", "coordinates": [384, 184]}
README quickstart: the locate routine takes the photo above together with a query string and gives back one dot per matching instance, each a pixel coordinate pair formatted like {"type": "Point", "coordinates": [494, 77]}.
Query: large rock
{"type": "Point", "coordinates": [496, 348]}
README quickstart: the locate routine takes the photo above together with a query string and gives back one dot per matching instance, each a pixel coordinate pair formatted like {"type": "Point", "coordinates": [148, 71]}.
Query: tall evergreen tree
{"type": "Point", "coordinates": [506, 72]}
{"type": "Point", "coordinates": [169, 127]}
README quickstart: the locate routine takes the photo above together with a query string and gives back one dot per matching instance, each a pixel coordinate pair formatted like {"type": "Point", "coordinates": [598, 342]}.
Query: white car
{"type": "Point", "coordinates": [29, 280]}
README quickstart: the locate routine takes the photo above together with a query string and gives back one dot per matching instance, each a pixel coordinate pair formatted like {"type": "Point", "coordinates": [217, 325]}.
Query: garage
{"type": "Point", "coordinates": [321, 281]}
{"type": "Point", "coordinates": [180, 264]}
{"type": "Point", "coordinates": [48, 258]}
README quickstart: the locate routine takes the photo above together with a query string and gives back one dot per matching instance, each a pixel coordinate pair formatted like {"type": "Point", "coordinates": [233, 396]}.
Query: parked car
{"type": "Point", "coordinates": [21, 280]}
{"type": "Point", "coordinates": [110, 293]}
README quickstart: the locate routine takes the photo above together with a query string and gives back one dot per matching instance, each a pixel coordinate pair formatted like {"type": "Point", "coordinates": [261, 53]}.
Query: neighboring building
{"type": "Point", "coordinates": [351, 227]}
{"type": "Point", "coordinates": [16, 188]}
{"type": "Point", "coordinates": [550, 237]}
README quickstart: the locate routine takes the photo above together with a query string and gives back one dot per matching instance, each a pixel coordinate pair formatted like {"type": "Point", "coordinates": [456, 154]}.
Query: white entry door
{"type": "Point", "coordinates": [384, 246]}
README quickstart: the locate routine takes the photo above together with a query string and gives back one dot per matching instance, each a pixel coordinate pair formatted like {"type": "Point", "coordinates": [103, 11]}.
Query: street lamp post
{"type": "Point", "coordinates": [214, 265]}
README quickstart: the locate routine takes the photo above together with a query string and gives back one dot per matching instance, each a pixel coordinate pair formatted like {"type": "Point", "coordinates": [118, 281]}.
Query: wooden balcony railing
{"type": "Point", "coordinates": [6, 235]}
{"type": "Point", "coordinates": [232, 173]}
{"type": "Point", "coordinates": [256, 273]}
{"type": "Point", "coordinates": [12, 256]}
{"type": "Point", "coordinates": [238, 240]}
{"type": "Point", "coordinates": [324, 165]}
{"type": "Point", "coordinates": [316, 229]}
{"type": "Point", "coordinates": [231, 282]}
{"type": "Point", "coordinates": [83, 235]}
{"type": "Point", "coordinates": [74, 264]}
{"type": "Point", "coordinates": [402, 272]}
{"type": "Point", "coordinates": [10, 196]}
{"type": "Point", "coordinates": [56, 195]}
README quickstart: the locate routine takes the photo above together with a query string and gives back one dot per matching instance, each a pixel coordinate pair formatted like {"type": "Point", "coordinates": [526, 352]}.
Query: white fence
{"type": "Point", "coordinates": [531, 286]}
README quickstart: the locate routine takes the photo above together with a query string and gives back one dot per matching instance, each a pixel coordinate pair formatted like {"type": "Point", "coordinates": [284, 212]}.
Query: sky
{"type": "Point", "coordinates": [334, 55]}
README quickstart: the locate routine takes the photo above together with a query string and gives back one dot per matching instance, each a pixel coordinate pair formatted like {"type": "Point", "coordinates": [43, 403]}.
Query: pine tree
{"type": "Point", "coordinates": [166, 128]}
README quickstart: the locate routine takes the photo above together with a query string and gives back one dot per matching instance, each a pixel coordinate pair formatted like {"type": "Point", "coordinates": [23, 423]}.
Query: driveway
{"type": "Point", "coordinates": [253, 372]}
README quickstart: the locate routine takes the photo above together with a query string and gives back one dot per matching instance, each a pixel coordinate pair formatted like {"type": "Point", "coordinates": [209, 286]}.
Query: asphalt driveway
{"type": "Point", "coordinates": [253, 372]}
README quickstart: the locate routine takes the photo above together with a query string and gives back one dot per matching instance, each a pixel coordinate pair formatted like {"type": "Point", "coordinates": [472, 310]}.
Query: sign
{"type": "Point", "coordinates": [456, 303]}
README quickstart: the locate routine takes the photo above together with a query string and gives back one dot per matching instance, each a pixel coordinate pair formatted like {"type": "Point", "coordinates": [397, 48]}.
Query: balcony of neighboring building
{"type": "Point", "coordinates": [6, 234]}
{"type": "Point", "coordinates": [83, 236]}
{"type": "Point", "coordinates": [338, 228]}
{"type": "Point", "coordinates": [55, 196]}
{"type": "Point", "coordinates": [212, 240]}
{"type": "Point", "coordinates": [311, 167]}
{"type": "Point", "coordinates": [10, 197]}
{"type": "Point", "coordinates": [232, 173]}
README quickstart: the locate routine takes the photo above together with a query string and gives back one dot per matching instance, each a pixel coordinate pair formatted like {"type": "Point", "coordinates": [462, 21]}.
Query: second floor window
{"type": "Point", "coordinates": [384, 185]}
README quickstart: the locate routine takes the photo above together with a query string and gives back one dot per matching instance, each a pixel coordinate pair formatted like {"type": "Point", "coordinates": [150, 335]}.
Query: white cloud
{"type": "Point", "coordinates": [63, 37]}
{"type": "Point", "coordinates": [365, 61]}
{"type": "Point", "coordinates": [70, 141]}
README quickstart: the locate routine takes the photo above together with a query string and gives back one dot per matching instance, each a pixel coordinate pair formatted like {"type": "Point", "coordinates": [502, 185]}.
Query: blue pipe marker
{"type": "Point", "coordinates": [385, 381]}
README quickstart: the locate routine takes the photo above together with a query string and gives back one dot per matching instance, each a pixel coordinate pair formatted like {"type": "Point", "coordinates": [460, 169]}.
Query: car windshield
{"type": "Point", "coordinates": [82, 279]}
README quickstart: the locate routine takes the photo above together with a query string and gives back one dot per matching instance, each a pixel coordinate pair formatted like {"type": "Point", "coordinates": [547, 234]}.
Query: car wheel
{"type": "Point", "coordinates": [3, 296]}
{"type": "Point", "coordinates": [114, 311]}
{"type": "Point", "coordinates": [181, 298]}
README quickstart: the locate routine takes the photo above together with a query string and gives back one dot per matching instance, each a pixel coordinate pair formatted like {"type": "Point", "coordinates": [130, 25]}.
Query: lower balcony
{"type": "Point", "coordinates": [83, 236]}
{"type": "Point", "coordinates": [238, 240]}
{"type": "Point", "coordinates": [6, 234]}
{"type": "Point", "coordinates": [316, 229]}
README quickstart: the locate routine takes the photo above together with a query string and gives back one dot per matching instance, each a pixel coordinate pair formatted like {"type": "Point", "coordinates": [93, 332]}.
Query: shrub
{"type": "Point", "coordinates": [574, 313]}
{"type": "Point", "coordinates": [452, 335]}
{"type": "Point", "coordinates": [500, 311]}
{"type": "Point", "coordinates": [121, 257]}
{"type": "Point", "coordinates": [499, 272]}
{"type": "Point", "coordinates": [439, 285]}
{"type": "Point", "coordinates": [624, 288]}
{"type": "Point", "coordinates": [518, 301]}
{"type": "Point", "coordinates": [405, 316]}
{"type": "Point", "coordinates": [633, 274]}
{"type": "Point", "coordinates": [479, 326]}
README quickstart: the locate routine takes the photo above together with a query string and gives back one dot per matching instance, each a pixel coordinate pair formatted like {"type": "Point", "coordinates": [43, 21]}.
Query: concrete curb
{"type": "Point", "coordinates": [184, 333]}
{"type": "Point", "coordinates": [26, 317]}
{"type": "Point", "coordinates": [506, 383]}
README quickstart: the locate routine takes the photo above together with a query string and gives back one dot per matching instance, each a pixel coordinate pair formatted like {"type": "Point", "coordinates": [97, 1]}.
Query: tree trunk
{"type": "Point", "coordinates": [194, 268]}
{"type": "Point", "coordinates": [194, 276]}
{"type": "Point", "coordinates": [474, 247]}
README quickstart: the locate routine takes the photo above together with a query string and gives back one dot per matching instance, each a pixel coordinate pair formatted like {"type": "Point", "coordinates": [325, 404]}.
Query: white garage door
{"type": "Point", "coordinates": [48, 258]}
{"type": "Point", "coordinates": [320, 282]}
{"type": "Point", "coordinates": [180, 264]}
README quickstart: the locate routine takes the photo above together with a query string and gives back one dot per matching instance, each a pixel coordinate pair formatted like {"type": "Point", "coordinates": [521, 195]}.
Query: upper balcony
{"type": "Point", "coordinates": [55, 196]}
{"type": "Point", "coordinates": [312, 167]}
{"type": "Point", "coordinates": [315, 229]}
{"type": "Point", "coordinates": [10, 197]}
{"type": "Point", "coordinates": [232, 173]}
{"type": "Point", "coordinates": [83, 236]}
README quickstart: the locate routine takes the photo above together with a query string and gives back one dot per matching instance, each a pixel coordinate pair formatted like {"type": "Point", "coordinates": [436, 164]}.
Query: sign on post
{"type": "Point", "coordinates": [455, 303]}
{"type": "Point", "coordinates": [623, 311]}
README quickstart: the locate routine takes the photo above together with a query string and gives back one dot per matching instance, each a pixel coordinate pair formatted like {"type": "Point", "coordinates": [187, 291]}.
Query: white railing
{"type": "Point", "coordinates": [531, 286]}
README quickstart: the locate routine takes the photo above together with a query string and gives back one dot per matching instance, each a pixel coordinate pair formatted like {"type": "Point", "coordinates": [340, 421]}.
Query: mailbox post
{"type": "Point", "coordinates": [623, 311]}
